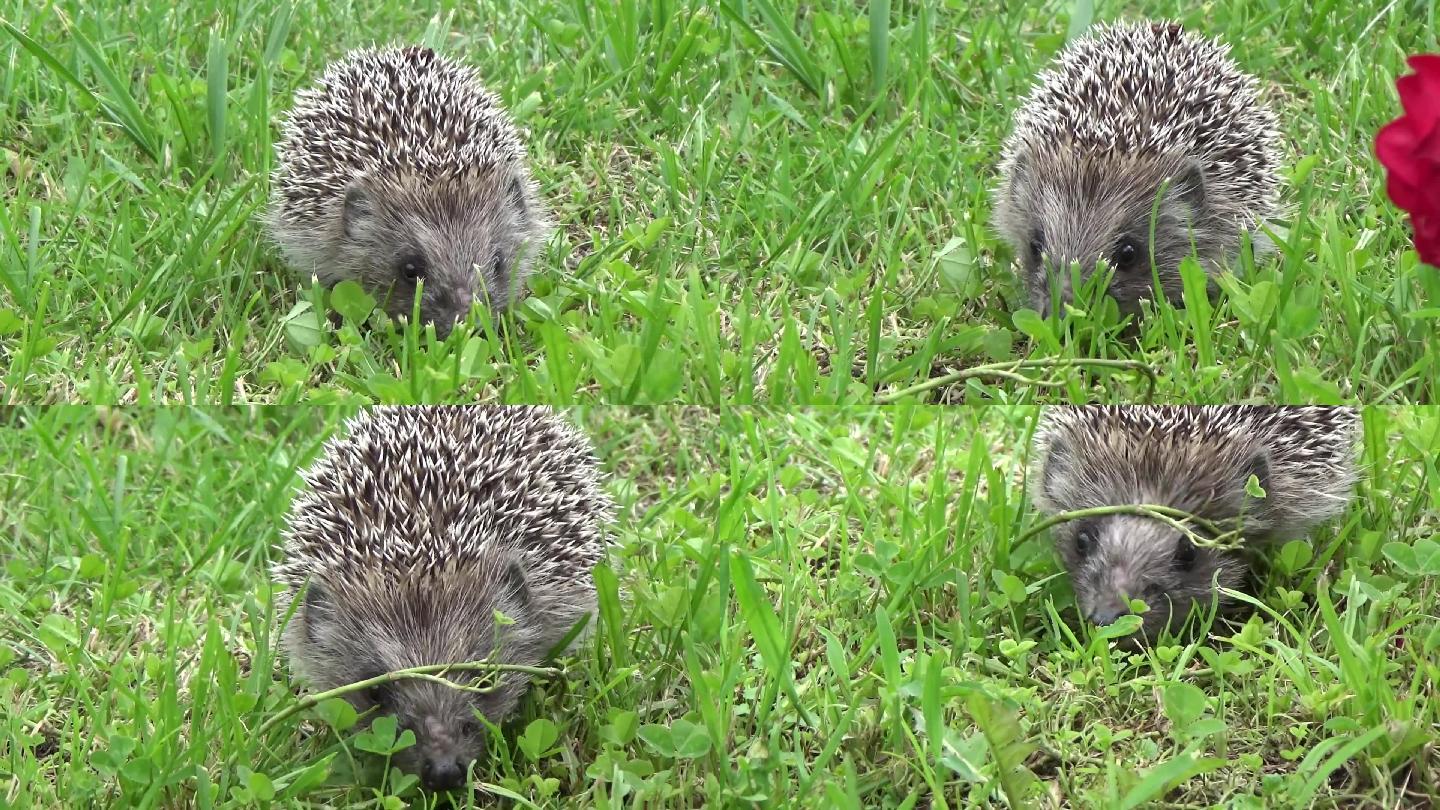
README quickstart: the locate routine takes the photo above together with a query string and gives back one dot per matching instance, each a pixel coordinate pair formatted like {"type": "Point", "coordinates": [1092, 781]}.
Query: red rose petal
{"type": "Point", "coordinates": [1422, 105]}
{"type": "Point", "coordinates": [1395, 141]}
{"type": "Point", "coordinates": [1427, 149]}
{"type": "Point", "coordinates": [1409, 149]}
{"type": "Point", "coordinates": [1427, 70]}
{"type": "Point", "coordinates": [1426, 159]}
{"type": "Point", "coordinates": [1405, 196]}
{"type": "Point", "coordinates": [1426, 236]}
{"type": "Point", "coordinates": [1425, 63]}
{"type": "Point", "coordinates": [1395, 147]}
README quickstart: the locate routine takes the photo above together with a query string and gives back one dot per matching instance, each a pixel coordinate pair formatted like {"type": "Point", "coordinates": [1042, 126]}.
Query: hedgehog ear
{"type": "Point", "coordinates": [517, 585]}
{"type": "Point", "coordinates": [1188, 184]}
{"type": "Point", "coordinates": [1019, 172]}
{"type": "Point", "coordinates": [1057, 464]}
{"type": "Point", "coordinates": [357, 209]}
{"type": "Point", "coordinates": [317, 608]}
{"type": "Point", "coordinates": [516, 191]}
{"type": "Point", "coordinates": [1257, 465]}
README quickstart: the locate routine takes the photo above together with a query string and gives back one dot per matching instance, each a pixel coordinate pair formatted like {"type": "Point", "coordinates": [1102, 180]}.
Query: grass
{"type": "Point", "coordinates": [824, 608]}
{"type": "Point", "coordinates": [757, 204]}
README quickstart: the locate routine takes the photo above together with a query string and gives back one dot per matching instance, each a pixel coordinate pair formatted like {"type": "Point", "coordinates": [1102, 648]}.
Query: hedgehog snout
{"type": "Point", "coordinates": [1053, 293]}
{"type": "Point", "coordinates": [442, 774]}
{"type": "Point", "coordinates": [1107, 599]}
{"type": "Point", "coordinates": [447, 311]}
{"type": "Point", "coordinates": [1050, 286]}
{"type": "Point", "coordinates": [443, 754]}
{"type": "Point", "coordinates": [1112, 584]}
{"type": "Point", "coordinates": [447, 305]}
{"type": "Point", "coordinates": [1107, 610]}
{"type": "Point", "coordinates": [1062, 268]}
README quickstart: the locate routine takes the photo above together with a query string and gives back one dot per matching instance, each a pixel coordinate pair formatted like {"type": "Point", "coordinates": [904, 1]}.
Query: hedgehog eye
{"type": "Point", "coordinates": [1085, 541]}
{"type": "Point", "coordinates": [411, 267]}
{"type": "Point", "coordinates": [470, 727]}
{"type": "Point", "coordinates": [1037, 245]}
{"type": "Point", "coordinates": [377, 694]}
{"type": "Point", "coordinates": [1127, 253]}
{"type": "Point", "coordinates": [1185, 554]}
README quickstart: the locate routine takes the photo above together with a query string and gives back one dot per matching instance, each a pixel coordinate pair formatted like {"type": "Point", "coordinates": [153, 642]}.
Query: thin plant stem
{"type": "Point", "coordinates": [1009, 370]}
{"type": "Point", "coordinates": [1220, 537]}
{"type": "Point", "coordinates": [429, 672]}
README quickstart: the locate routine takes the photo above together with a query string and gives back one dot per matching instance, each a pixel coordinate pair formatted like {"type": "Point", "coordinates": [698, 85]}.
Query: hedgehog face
{"type": "Point", "coordinates": [1116, 558]}
{"type": "Point", "coordinates": [458, 240]}
{"type": "Point", "coordinates": [1060, 207]}
{"type": "Point", "coordinates": [446, 723]}
{"type": "Point", "coordinates": [347, 631]}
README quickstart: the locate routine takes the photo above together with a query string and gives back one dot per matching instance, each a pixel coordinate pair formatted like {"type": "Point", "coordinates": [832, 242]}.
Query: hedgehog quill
{"type": "Point", "coordinates": [415, 528]}
{"type": "Point", "coordinates": [399, 170]}
{"type": "Point", "coordinates": [1135, 119]}
{"type": "Point", "coordinates": [1197, 459]}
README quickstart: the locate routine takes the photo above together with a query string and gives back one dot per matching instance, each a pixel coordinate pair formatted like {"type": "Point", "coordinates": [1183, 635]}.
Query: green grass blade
{"type": "Point", "coordinates": [764, 625]}
{"type": "Point", "coordinates": [783, 43]}
{"type": "Point", "coordinates": [217, 84]}
{"type": "Point", "coordinates": [1160, 779]}
{"type": "Point", "coordinates": [120, 102]}
{"type": "Point", "coordinates": [760, 617]}
{"type": "Point", "coordinates": [39, 52]}
{"type": "Point", "coordinates": [1316, 774]}
{"type": "Point", "coordinates": [1082, 13]}
{"type": "Point", "coordinates": [879, 45]}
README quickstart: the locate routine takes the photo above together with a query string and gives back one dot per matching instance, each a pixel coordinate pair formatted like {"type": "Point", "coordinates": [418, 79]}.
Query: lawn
{"type": "Point", "coordinates": [818, 608]}
{"type": "Point", "coordinates": [759, 201]}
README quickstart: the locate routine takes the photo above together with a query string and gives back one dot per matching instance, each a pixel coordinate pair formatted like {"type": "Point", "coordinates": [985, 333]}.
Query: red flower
{"type": "Point", "coordinates": [1409, 148]}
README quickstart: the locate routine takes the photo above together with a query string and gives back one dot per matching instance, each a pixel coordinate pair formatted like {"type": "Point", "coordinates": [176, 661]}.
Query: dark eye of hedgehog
{"type": "Point", "coordinates": [1085, 540]}
{"type": "Point", "coordinates": [470, 727]}
{"type": "Point", "coordinates": [1185, 554]}
{"type": "Point", "coordinates": [411, 267]}
{"type": "Point", "coordinates": [1126, 255]}
{"type": "Point", "coordinates": [377, 694]}
{"type": "Point", "coordinates": [1037, 245]}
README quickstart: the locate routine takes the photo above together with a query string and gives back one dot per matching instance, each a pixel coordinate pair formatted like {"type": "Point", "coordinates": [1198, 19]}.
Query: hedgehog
{"type": "Point", "coordinates": [1197, 459]}
{"type": "Point", "coordinates": [415, 528]}
{"type": "Point", "coordinates": [398, 170]}
{"type": "Point", "coordinates": [1138, 130]}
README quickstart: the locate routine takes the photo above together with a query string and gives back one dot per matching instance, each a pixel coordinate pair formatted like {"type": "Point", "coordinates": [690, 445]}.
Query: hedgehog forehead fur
{"type": "Point", "coordinates": [1152, 88]}
{"type": "Point", "coordinates": [1197, 458]}
{"type": "Point", "coordinates": [389, 112]}
{"type": "Point", "coordinates": [411, 492]}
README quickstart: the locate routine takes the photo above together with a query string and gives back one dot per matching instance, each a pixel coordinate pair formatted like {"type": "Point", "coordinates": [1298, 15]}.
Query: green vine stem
{"type": "Point", "coordinates": [430, 672]}
{"type": "Point", "coordinates": [1222, 536]}
{"type": "Point", "coordinates": [1010, 370]}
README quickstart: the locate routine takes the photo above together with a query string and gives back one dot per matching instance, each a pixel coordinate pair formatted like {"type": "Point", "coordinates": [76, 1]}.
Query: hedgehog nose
{"type": "Point", "coordinates": [442, 774]}
{"type": "Point", "coordinates": [450, 312]}
{"type": "Point", "coordinates": [1102, 615]}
